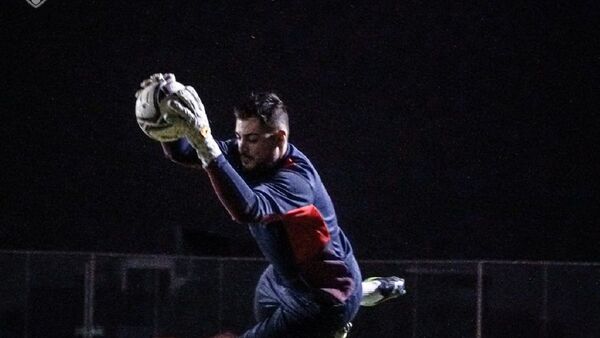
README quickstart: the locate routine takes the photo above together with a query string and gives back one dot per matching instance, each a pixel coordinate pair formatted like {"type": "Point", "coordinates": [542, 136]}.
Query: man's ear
{"type": "Point", "coordinates": [281, 136]}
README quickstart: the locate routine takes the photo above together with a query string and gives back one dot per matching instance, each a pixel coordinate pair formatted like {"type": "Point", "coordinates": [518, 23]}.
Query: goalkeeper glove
{"type": "Point", "coordinates": [186, 104]}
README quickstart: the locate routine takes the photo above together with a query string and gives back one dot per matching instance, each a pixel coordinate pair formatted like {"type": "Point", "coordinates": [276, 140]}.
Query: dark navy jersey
{"type": "Point", "coordinates": [290, 215]}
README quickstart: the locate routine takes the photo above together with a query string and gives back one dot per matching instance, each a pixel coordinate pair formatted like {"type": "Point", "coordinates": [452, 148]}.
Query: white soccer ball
{"type": "Point", "coordinates": [147, 108]}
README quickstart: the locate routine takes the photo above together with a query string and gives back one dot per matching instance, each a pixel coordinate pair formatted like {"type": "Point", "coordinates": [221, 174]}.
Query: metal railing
{"type": "Point", "coordinates": [68, 294]}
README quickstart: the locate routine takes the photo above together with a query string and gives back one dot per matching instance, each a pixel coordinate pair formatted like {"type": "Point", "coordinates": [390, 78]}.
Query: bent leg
{"type": "Point", "coordinates": [266, 299]}
{"type": "Point", "coordinates": [300, 322]}
{"type": "Point", "coordinates": [282, 312]}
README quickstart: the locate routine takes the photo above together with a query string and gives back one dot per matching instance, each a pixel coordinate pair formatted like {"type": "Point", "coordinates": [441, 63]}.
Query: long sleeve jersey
{"type": "Point", "coordinates": [289, 214]}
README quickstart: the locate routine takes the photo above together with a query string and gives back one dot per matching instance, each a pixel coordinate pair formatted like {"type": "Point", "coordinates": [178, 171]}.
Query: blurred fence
{"type": "Point", "coordinates": [49, 294]}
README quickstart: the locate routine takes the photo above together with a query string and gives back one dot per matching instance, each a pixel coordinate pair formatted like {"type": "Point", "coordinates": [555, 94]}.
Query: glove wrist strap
{"type": "Point", "coordinates": [206, 147]}
{"type": "Point", "coordinates": [209, 152]}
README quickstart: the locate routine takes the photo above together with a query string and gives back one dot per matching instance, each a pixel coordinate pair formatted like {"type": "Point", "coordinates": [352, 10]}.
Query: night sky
{"type": "Point", "coordinates": [441, 130]}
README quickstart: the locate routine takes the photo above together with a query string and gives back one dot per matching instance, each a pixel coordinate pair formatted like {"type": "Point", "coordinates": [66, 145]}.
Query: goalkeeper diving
{"type": "Point", "coordinates": [312, 286]}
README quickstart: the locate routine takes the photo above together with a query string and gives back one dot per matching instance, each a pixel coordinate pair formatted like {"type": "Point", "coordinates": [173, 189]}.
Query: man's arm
{"type": "Point", "coordinates": [246, 205]}
{"type": "Point", "coordinates": [285, 191]}
{"type": "Point", "coordinates": [182, 152]}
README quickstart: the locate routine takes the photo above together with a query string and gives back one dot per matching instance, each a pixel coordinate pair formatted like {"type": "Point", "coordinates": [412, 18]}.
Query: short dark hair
{"type": "Point", "coordinates": [267, 107]}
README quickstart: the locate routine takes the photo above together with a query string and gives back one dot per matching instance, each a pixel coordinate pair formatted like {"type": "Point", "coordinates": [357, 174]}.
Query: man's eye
{"type": "Point", "coordinates": [253, 139]}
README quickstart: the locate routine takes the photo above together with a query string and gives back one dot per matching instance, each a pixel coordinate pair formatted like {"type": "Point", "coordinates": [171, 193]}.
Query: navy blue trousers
{"type": "Point", "coordinates": [283, 312]}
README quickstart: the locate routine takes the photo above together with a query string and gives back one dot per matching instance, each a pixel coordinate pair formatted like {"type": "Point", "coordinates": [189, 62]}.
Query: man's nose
{"type": "Point", "coordinates": [242, 146]}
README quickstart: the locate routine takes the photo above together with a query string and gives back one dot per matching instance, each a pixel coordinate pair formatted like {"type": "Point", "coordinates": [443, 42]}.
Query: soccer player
{"type": "Point", "coordinates": [312, 286]}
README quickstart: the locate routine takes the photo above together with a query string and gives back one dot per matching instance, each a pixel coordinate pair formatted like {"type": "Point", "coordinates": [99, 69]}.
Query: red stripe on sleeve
{"type": "Point", "coordinates": [307, 232]}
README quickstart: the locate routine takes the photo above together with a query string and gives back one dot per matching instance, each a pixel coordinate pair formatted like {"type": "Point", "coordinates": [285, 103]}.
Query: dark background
{"type": "Point", "coordinates": [441, 130]}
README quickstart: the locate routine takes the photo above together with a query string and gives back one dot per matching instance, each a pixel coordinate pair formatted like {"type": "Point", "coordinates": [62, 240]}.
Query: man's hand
{"type": "Point", "coordinates": [185, 104]}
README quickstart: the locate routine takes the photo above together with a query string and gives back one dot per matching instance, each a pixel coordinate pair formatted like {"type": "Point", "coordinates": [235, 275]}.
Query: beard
{"type": "Point", "coordinates": [248, 162]}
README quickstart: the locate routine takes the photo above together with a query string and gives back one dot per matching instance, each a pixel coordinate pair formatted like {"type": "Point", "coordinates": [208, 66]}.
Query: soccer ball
{"type": "Point", "coordinates": [147, 108]}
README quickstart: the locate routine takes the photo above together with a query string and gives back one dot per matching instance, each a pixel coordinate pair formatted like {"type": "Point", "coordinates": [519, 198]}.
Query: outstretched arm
{"type": "Point", "coordinates": [285, 191]}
